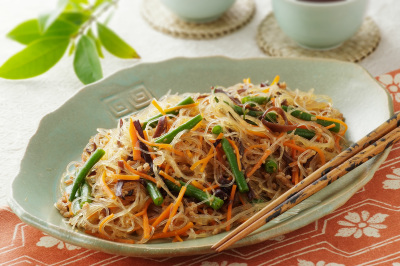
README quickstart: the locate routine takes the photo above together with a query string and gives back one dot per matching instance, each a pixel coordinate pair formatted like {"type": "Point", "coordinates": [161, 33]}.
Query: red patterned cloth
{"type": "Point", "coordinates": [365, 231]}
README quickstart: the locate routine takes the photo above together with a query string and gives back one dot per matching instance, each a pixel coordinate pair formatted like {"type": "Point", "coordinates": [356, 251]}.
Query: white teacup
{"type": "Point", "coordinates": [198, 10]}
{"type": "Point", "coordinates": [319, 24]}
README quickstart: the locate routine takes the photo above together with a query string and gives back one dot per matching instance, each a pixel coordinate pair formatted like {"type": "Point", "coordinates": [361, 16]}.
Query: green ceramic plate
{"type": "Point", "coordinates": [63, 133]}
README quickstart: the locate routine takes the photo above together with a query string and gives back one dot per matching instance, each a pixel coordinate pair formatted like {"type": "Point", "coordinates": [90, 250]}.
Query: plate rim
{"type": "Point", "coordinates": [54, 230]}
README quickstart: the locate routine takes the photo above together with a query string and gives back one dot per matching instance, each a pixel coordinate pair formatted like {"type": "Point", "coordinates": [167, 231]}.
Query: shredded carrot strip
{"type": "Point", "coordinates": [334, 120]}
{"type": "Point", "coordinates": [206, 159]}
{"type": "Point", "coordinates": [219, 156]}
{"type": "Point", "coordinates": [156, 105]}
{"type": "Point", "coordinates": [180, 107]}
{"type": "Point", "coordinates": [160, 145]}
{"type": "Point", "coordinates": [211, 187]}
{"type": "Point", "coordinates": [229, 213]}
{"type": "Point", "coordinates": [330, 126]}
{"type": "Point", "coordinates": [276, 80]}
{"type": "Point", "coordinates": [294, 151]}
{"type": "Point", "coordinates": [295, 175]}
{"type": "Point", "coordinates": [170, 178]}
{"type": "Point", "coordinates": [106, 188]}
{"type": "Point", "coordinates": [175, 208]}
{"type": "Point", "coordinates": [128, 167]}
{"type": "Point", "coordinates": [189, 154]}
{"type": "Point", "coordinates": [146, 226]}
{"type": "Point", "coordinates": [320, 153]}
{"type": "Point", "coordinates": [241, 199]}
{"type": "Point", "coordinates": [173, 233]}
{"type": "Point", "coordinates": [294, 146]}
{"type": "Point", "coordinates": [237, 154]}
{"type": "Point", "coordinates": [125, 177]}
{"type": "Point", "coordinates": [162, 216]}
{"type": "Point", "coordinates": [135, 142]}
{"type": "Point", "coordinates": [319, 135]}
{"type": "Point", "coordinates": [196, 126]}
{"type": "Point", "coordinates": [197, 184]}
{"type": "Point", "coordinates": [167, 167]}
{"type": "Point", "coordinates": [177, 238]}
{"type": "Point", "coordinates": [259, 163]}
{"type": "Point", "coordinates": [102, 224]}
{"type": "Point", "coordinates": [220, 135]}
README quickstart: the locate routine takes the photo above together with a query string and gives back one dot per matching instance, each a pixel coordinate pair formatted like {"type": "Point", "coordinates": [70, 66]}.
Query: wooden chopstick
{"type": "Point", "coordinates": [372, 144]}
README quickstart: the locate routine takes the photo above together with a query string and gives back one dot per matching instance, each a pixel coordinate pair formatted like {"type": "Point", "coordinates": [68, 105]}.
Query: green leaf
{"type": "Point", "coordinates": [61, 27]}
{"type": "Point", "coordinates": [86, 61]}
{"type": "Point", "coordinates": [96, 42]}
{"type": "Point", "coordinates": [38, 57]}
{"type": "Point", "coordinates": [25, 32]}
{"type": "Point", "coordinates": [28, 31]}
{"type": "Point", "coordinates": [45, 21]}
{"type": "Point", "coordinates": [114, 44]}
{"type": "Point", "coordinates": [77, 18]}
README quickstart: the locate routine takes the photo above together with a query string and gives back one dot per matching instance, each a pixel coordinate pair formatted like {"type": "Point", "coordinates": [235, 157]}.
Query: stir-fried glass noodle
{"type": "Point", "coordinates": [194, 165]}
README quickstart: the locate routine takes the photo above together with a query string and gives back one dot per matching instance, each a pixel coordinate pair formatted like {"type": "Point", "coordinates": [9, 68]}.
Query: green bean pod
{"type": "Point", "coordinates": [309, 117]}
{"type": "Point", "coordinates": [76, 206]}
{"type": "Point", "coordinates": [239, 111]}
{"type": "Point", "coordinates": [232, 160]}
{"type": "Point", "coordinates": [302, 132]}
{"type": "Point", "coordinates": [191, 191]}
{"type": "Point", "coordinates": [86, 193]}
{"type": "Point", "coordinates": [169, 137]}
{"type": "Point", "coordinates": [154, 193]}
{"type": "Point", "coordinates": [84, 171]}
{"type": "Point", "coordinates": [217, 130]}
{"type": "Point", "coordinates": [154, 120]}
{"type": "Point", "coordinates": [257, 99]}
{"type": "Point", "coordinates": [270, 166]}
{"type": "Point", "coordinates": [271, 117]}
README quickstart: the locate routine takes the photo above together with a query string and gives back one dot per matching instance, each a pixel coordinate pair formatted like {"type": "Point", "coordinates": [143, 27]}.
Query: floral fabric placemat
{"type": "Point", "coordinates": [365, 231]}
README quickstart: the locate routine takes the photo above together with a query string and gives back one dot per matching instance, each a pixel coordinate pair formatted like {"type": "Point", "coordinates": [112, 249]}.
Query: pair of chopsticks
{"type": "Point", "coordinates": [368, 147]}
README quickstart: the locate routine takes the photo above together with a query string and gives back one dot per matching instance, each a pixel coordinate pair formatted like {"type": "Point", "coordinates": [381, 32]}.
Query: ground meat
{"type": "Point", "coordinates": [62, 206]}
{"type": "Point", "coordinates": [284, 180]}
{"type": "Point", "coordinates": [144, 169]}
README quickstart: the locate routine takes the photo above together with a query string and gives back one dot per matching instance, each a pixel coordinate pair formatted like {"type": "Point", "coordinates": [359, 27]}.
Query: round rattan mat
{"type": "Point", "coordinates": [274, 42]}
{"type": "Point", "coordinates": [161, 19]}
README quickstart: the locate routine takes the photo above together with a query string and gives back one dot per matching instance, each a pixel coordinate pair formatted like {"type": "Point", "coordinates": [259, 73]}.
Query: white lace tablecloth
{"type": "Point", "coordinates": [23, 103]}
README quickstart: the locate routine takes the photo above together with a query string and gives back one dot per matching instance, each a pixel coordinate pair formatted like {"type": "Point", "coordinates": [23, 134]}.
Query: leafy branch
{"type": "Point", "coordinates": [74, 24]}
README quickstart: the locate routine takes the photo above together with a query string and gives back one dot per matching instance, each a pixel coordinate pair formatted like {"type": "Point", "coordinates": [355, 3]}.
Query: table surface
{"type": "Point", "coordinates": [23, 103]}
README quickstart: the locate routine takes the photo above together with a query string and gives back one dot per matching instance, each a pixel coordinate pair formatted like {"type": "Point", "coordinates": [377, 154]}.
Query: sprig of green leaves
{"type": "Point", "coordinates": [74, 24]}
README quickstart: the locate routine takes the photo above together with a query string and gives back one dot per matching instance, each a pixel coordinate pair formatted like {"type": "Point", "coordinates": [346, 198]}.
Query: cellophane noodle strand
{"type": "Point", "coordinates": [247, 132]}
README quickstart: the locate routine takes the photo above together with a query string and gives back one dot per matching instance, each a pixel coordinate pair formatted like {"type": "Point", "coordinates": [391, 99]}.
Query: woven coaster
{"type": "Point", "coordinates": [274, 42]}
{"type": "Point", "coordinates": [165, 21]}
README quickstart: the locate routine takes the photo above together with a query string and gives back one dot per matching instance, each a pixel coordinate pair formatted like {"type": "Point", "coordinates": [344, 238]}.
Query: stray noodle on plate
{"type": "Point", "coordinates": [196, 164]}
